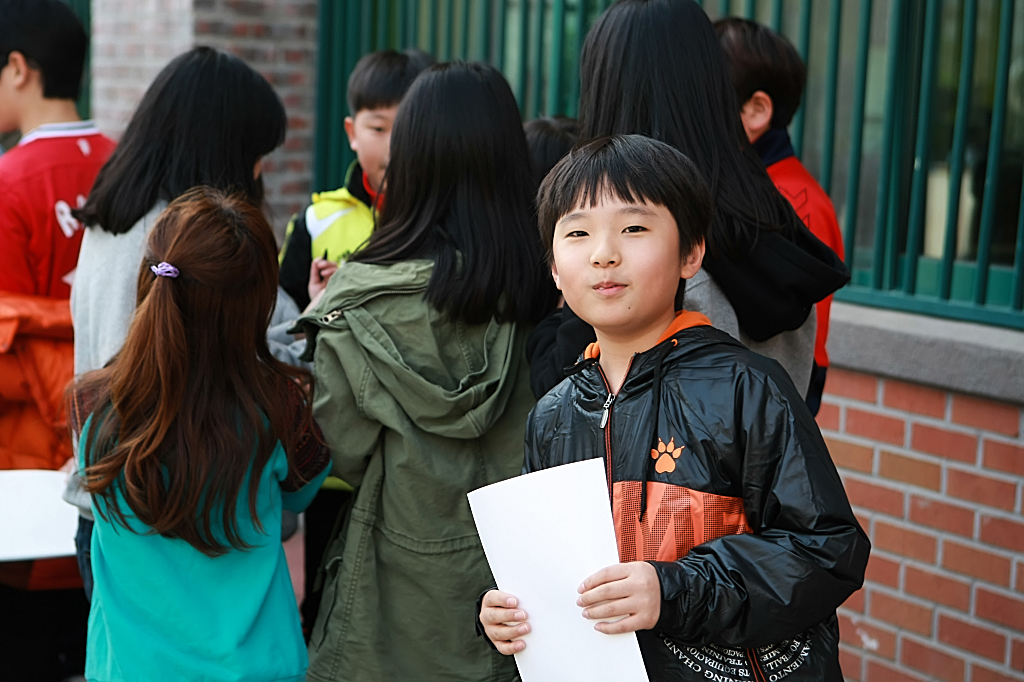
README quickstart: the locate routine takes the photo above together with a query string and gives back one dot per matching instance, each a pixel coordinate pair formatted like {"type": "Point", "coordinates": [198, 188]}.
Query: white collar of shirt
{"type": "Point", "coordinates": [52, 130]}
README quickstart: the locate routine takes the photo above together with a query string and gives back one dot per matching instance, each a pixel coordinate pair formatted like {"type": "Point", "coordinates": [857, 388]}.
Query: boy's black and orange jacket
{"type": "Point", "coordinates": [719, 477]}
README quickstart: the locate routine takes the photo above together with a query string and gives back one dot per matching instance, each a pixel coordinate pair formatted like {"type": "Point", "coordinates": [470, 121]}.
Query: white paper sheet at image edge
{"type": "Point", "coordinates": [543, 534]}
{"type": "Point", "coordinates": [35, 522]}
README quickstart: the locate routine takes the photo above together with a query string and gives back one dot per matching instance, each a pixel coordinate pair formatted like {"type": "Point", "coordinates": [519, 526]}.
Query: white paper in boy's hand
{"type": "Point", "coordinates": [544, 533]}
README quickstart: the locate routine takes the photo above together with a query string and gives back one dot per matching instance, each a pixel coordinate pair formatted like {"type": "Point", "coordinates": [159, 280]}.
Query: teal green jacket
{"type": "Point", "coordinates": [418, 410]}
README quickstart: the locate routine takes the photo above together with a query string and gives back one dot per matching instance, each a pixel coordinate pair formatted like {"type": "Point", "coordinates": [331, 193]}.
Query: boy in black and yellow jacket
{"type": "Point", "coordinates": [736, 537]}
{"type": "Point", "coordinates": [338, 222]}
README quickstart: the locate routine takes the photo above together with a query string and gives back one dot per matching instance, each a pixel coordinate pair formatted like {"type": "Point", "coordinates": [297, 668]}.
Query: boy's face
{"type": "Point", "coordinates": [369, 136]}
{"type": "Point", "coordinates": [618, 266]}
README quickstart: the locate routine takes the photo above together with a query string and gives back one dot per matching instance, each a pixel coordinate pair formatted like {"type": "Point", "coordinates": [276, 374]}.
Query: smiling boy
{"type": "Point", "coordinates": [736, 539]}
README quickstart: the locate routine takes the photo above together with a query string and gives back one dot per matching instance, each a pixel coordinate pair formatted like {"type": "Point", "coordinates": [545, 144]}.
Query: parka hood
{"type": "Point", "coordinates": [446, 382]}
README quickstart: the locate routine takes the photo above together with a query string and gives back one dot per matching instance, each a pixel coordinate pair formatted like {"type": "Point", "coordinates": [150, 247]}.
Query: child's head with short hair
{"type": "Point", "coordinates": [624, 218]}
{"type": "Point", "coordinates": [766, 71]}
{"type": "Point", "coordinates": [549, 139]}
{"type": "Point", "coordinates": [375, 88]}
{"type": "Point", "coordinates": [42, 54]}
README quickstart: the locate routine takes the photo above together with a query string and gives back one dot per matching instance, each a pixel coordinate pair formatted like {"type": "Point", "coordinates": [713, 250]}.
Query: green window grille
{"type": "Point", "coordinates": [913, 121]}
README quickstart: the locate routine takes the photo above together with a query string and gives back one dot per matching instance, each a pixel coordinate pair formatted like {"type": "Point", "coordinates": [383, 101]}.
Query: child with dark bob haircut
{"type": "Point", "coordinates": [735, 536]}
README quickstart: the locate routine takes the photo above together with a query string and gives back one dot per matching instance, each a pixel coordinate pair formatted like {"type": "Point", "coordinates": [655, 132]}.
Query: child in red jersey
{"type": "Point", "coordinates": [42, 179]}
{"type": "Point", "coordinates": [51, 170]}
{"type": "Point", "coordinates": [769, 78]}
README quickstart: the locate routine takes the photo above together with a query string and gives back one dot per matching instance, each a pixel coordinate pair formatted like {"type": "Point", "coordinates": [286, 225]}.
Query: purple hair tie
{"type": "Point", "coordinates": [164, 270]}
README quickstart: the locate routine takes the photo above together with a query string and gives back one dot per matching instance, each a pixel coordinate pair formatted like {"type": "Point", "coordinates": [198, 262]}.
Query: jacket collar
{"type": "Point", "coordinates": [684, 320]}
{"type": "Point", "coordinates": [774, 146]}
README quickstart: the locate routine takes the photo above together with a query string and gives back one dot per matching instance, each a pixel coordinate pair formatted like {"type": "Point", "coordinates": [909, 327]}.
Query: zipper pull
{"type": "Point", "coordinates": [607, 408]}
{"type": "Point", "coordinates": [331, 316]}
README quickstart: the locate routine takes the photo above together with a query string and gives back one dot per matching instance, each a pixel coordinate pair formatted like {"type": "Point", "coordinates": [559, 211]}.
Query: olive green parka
{"type": "Point", "coordinates": [418, 410]}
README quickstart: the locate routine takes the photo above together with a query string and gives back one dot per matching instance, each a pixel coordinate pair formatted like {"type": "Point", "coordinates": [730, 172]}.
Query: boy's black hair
{"type": "Point", "coordinates": [549, 139]}
{"type": "Point", "coordinates": [634, 169]}
{"type": "Point", "coordinates": [51, 38]}
{"type": "Point", "coordinates": [381, 78]}
{"type": "Point", "coordinates": [206, 119]}
{"type": "Point", "coordinates": [761, 59]}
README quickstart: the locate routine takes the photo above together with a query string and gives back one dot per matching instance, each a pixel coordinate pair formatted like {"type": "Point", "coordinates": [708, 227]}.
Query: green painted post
{"type": "Point", "coordinates": [918, 190]}
{"type": "Point", "coordinates": [835, 20]}
{"type": "Point", "coordinates": [573, 105]}
{"type": "Point", "coordinates": [366, 27]}
{"type": "Point", "coordinates": [776, 23]}
{"type": "Point", "coordinates": [749, 9]}
{"type": "Point", "coordinates": [956, 166]}
{"type": "Point", "coordinates": [464, 30]}
{"type": "Point", "coordinates": [1017, 292]}
{"type": "Point", "coordinates": [995, 148]}
{"type": "Point", "coordinates": [524, 54]}
{"type": "Point", "coordinates": [499, 38]}
{"type": "Point", "coordinates": [537, 75]}
{"type": "Point", "coordinates": [857, 130]}
{"type": "Point", "coordinates": [554, 99]}
{"type": "Point", "coordinates": [382, 25]}
{"type": "Point", "coordinates": [483, 31]}
{"type": "Point", "coordinates": [725, 7]}
{"type": "Point", "coordinates": [407, 26]}
{"type": "Point", "coordinates": [803, 47]}
{"type": "Point", "coordinates": [83, 10]}
{"type": "Point", "coordinates": [449, 30]}
{"type": "Point", "coordinates": [886, 159]}
{"type": "Point", "coordinates": [432, 27]}
{"type": "Point", "coordinates": [325, 130]}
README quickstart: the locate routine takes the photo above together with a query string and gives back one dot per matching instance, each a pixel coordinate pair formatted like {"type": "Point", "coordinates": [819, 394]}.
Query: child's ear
{"type": "Point", "coordinates": [692, 261]}
{"type": "Point", "coordinates": [350, 130]}
{"type": "Point", "coordinates": [554, 275]}
{"type": "Point", "coordinates": [756, 115]}
{"type": "Point", "coordinates": [21, 74]}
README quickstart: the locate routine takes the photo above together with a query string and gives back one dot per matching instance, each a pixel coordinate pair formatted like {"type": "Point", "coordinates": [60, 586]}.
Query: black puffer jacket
{"type": "Point", "coordinates": [743, 516]}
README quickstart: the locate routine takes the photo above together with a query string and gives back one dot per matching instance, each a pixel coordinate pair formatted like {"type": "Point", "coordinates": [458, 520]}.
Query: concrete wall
{"type": "Point", "coordinates": [134, 39]}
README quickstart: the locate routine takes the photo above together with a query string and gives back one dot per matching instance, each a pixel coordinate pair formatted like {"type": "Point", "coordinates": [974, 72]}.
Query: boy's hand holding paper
{"type": "Point", "coordinates": [623, 597]}
{"type": "Point", "coordinates": [503, 622]}
{"type": "Point", "coordinates": [562, 532]}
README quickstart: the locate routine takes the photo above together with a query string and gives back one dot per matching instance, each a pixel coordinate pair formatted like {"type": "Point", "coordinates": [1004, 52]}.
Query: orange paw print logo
{"type": "Point", "coordinates": [666, 456]}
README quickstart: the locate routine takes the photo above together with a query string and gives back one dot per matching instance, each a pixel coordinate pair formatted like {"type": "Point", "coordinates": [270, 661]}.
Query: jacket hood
{"type": "Point", "coordinates": [773, 284]}
{"type": "Point", "coordinates": [451, 378]}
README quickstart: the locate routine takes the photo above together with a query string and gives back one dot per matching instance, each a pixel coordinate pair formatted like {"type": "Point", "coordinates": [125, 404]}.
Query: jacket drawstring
{"type": "Point", "coordinates": [656, 405]}
{"type": "Point", "coordinates": [579, 366]}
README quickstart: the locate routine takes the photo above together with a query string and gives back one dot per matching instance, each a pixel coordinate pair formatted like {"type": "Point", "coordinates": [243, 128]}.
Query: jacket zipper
{"type": "Point", "coordinates": [338, 312]}
{"type": "Point", "coordinates": [606, 425]}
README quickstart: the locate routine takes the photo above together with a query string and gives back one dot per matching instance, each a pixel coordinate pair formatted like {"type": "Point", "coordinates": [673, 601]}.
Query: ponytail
{"type": "Point", "coordinates": [194, 403]}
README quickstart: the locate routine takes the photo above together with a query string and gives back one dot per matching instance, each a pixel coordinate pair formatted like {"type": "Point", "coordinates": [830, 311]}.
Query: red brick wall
{"type": "Point", "coordinates": [936, 479]}
{"type": "Point", "coordinates": [134, 39]}
{"type": "Point", "coordinates": [278, 39]}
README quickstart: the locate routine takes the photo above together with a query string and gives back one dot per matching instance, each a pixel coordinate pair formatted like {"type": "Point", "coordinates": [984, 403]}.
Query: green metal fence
{"type": "Point", "coordinates": [913, 121]}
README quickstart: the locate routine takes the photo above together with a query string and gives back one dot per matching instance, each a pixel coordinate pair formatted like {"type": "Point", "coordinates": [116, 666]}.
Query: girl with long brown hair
{"type": "Point", "coordinates": [192, 441]}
